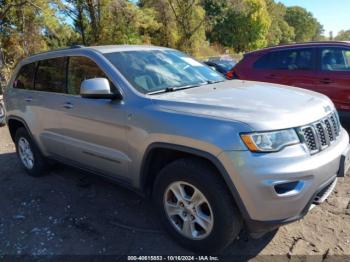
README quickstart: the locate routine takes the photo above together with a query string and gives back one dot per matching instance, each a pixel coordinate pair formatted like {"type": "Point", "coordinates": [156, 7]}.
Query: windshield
{"type": "Point", "coordinates": [155, 70]}
{"type": "Point", "coordinates": [225, 64]}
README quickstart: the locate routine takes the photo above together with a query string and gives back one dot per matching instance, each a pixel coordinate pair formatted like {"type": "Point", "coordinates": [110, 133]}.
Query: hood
{"type": "Point", "coordinates": [263, 106]}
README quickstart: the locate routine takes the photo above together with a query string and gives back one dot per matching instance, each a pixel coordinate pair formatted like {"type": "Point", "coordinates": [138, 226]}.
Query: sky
{"type": "Point", "coordinates": [334, 15]}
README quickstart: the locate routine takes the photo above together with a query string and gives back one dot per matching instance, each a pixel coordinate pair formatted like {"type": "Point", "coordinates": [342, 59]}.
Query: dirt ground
{"type": "Point", "coordinates": [69, 212]}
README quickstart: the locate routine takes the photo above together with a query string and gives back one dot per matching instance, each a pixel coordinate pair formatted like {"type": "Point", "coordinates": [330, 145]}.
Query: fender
{"type": "Point", "coordinates": [200, 153]}
{"type": "Point", "coordinates": [19, 119]}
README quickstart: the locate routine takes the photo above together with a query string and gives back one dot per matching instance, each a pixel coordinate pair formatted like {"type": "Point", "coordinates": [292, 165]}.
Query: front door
{"type": "Point", "coordinates": [333, 75]}
{"type": "Point", "coordinates": [94, 129]}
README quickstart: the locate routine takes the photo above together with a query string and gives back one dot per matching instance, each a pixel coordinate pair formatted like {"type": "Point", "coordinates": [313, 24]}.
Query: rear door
{"type": "Point", "coordinates": [333, 75]}
{"type": "Point", "coordinates": [294, 67]}
{"type": "Point", "coordinates": [20, 100]}
{"type": "Point", "coordinates": [94, 129]}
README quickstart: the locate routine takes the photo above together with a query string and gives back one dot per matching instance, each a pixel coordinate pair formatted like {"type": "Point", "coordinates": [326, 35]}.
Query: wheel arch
{"type": "Point", "coordinates": [150, 170]}
{"type": "Point", "coordinates": [14, 123]}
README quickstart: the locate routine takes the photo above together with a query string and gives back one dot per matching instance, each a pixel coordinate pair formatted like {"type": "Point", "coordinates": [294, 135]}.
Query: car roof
{"type": "Point", "coordinates": [305, 44]}
{"type": "Point", "coordinates": [79, 49]}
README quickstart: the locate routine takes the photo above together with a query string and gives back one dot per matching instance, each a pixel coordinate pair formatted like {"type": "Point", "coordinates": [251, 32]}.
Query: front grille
{"type": "Point", "coordinates": [319, 135]}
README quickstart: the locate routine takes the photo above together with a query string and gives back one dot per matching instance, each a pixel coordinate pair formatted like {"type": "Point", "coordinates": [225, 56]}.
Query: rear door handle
{"type": "Point", "coordinates": [326, 81]}
{"type": "Point", "coordinates": [68, 105]}
{"type": "Point", "coordinates": [271, 76]}
{"type": "Point", "coordinates": [28, 99]}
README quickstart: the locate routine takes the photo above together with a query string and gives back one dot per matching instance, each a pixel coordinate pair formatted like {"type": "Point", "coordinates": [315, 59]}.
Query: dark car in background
{"type": "Point", "coordinates": [323, 67]}
{"type": "Point", "coordinates": [221, 64]}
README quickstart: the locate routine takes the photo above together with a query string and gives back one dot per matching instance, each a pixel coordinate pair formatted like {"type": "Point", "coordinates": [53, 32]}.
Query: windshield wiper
{"type": "Point", "coordinates": [173, 89]}
{"type": "Point", "coordinates": [209, 82]}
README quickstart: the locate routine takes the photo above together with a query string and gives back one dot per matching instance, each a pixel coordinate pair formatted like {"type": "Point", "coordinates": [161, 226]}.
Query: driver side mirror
{"type": "Point", "coordinates": [97, 88]}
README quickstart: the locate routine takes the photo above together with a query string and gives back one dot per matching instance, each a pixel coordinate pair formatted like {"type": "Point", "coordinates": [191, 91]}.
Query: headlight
{"type": "Point", "coordinates": [270, 141]}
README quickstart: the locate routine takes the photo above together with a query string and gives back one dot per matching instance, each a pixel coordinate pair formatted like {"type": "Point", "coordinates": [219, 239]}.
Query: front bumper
{"type": "Point", "coordinates": [278, 188]}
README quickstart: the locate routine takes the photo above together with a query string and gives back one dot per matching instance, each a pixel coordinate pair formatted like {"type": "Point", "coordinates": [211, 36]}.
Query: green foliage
{"type": "Point", "coordinates": [182, 23]}
{"type": "Point", "coordinates": [306, 27]}
{"type": "Point", "coordinates": [244, 26]}
{"type": "Point", "coordinates": [343, 36]}
{"type": "Point", "coordinates": [132, 25]}
{"type": "Point", "coordinates": [194, 26]}
{"type": "Point", "coordinates": [214, 10]}
{"type": "Point", "coordinates": [27, 27]}
{"type": "Point", "coordinates": [189, 18]}
{"type": "Point", "coordinates": [166, 34]}
{"type": "Point", "coordinates": [280, 31]}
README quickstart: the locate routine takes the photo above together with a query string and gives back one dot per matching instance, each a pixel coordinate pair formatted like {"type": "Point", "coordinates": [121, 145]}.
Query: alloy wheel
{"type": "Point", "coordinates": [188, 210]}
{"type": "Point", "coordinates": [25, 153]}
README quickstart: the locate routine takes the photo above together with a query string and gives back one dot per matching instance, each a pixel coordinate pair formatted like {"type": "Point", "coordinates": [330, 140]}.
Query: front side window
{"type": "Point", "coordinates": [335, 59]}
{"type": "Point", "coordinates": [25, 77]}
{"type": "Point", "coordinates": [51, 75]}
{"type": "Point", "coordinates": [297, 59]}
{"type": "Point", "coordinates": [155, 70]}
{"type": "Point", "coordinates": [79, 69]}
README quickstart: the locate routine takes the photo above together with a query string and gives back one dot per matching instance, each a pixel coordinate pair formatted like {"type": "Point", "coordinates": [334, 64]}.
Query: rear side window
{"type": "Point", "coordinates": [79, 69]}
{"type": "Point", "coordinates": [25, 77]}
{"type": "Point", "coordinates": [263, 62]}
{"type": "Point", "coordinates": [335, 59]}
{"type": "Point", "coordinates": [51, 75]}
{"type": "Point", "coordinates": [295, 59]}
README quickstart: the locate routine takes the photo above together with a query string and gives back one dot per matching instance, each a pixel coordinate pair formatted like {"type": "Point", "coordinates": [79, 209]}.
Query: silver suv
{"type": "Point", "coordinates": [214, 155]}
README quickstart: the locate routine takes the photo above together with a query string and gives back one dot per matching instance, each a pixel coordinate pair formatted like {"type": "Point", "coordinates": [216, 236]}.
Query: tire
{"type": "Point", "coordinates": [221, 211]}
{"type": "Point", "coordinates": [2, 115]}
{"type": "Point", "coordinates": [38, 165]}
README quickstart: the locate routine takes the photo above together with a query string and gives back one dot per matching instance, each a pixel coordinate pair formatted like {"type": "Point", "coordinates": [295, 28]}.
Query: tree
{"type": "Point", "coordinates": [214, 12]}
{"type": "Point", "coordinates": [343, 36]}
{"type": "Point", "coordinates": [111, 21]}
{"type": "Point", "coordinates": [26, 26]}
{"type": "Point", "coordinates": [280, 31]}
{"type": "Point", "coordinates": [131, 24]}
{"type": "Point", "coordinates": [244, 26]}
{"type": "Point", "coordinates": [75, 10]}
{"type": "Point", "coordinates": [318, 36]}
{"type": "Point", "coordinates": [306, 27]}
{"type": "Point", "coordinates": [166, 34]}
{"type": "Point", "coordinates": [189, 17]}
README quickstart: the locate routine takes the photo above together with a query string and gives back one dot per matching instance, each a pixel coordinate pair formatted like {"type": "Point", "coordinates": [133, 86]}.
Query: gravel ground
{"type": "Point", "coordinates": [69, 212]}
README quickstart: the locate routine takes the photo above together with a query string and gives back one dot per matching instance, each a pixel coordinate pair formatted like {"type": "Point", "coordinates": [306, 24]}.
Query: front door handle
{"type": "Point", "coordinates": [68, 105]}
{"type": "Point", "coordinates": [28, 99]}
{"type": "Point", "coordinates": [326, 81]}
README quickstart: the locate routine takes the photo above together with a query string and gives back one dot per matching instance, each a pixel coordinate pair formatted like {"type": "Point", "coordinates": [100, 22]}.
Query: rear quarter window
{"type": "Point", "coordinates": [25, 77]}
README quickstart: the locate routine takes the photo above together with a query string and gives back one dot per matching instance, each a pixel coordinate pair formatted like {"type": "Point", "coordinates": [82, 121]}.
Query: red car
{"type": "Point", "coordinates": [323, 67]}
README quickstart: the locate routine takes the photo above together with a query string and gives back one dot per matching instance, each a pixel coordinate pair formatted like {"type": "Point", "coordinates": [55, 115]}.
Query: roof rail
{"type": "Point", "coordinates": [61, 49]}
{"type": "Point", "coordinates": [76, 46]}
{"type": "Point", "coordinates": [300, 43]}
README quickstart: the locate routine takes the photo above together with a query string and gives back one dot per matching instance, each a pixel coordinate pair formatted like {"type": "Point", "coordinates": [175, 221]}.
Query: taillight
{"type": "Point", "coordinates": [232, 75]}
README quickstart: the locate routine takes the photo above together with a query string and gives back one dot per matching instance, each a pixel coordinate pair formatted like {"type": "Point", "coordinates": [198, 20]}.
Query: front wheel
{"type": "Point", "coordinates": [195, 205]}
{"type": "Point", "coordinates": [2, 114]}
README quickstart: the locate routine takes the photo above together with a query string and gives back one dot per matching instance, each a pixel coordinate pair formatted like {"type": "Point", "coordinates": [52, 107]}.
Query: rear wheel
{"type": "Point", "coordinates": [195, 206]}
{"type": "Point", "coordinates": [29, 155]}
